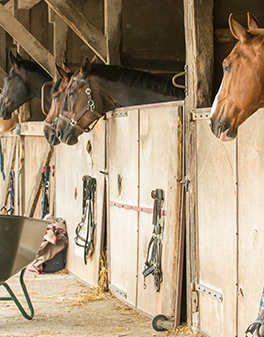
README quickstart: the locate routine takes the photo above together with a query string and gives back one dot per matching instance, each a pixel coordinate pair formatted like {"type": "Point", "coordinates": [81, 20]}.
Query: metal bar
{"type": "Point", "coordinates": [14, 298]}
{"type": "Point", "coordinates": [212, 293]}
{"type": "Point", "coordinates": [135, 208]}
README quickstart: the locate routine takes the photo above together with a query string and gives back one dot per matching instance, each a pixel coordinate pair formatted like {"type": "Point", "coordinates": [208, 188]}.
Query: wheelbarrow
{"type": "Point", "coordinates": [20, 239]}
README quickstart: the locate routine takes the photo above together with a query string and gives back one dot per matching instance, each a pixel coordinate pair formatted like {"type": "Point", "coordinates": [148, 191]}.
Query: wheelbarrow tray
{"type": "Point", "coordinates": [20, 239]}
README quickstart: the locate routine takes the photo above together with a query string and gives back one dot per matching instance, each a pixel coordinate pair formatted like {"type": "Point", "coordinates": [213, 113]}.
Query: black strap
{"type": "Point", "coordinates": [89, 188]}
{"type": "Point", "coordinates": [153, 259]}
{"type": "Point", "coordinates": [45, 201]}
{"type": "Point", "coordinates": [11, 195]}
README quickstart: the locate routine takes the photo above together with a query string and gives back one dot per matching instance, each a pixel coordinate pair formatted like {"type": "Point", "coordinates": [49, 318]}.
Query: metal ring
{"type": "Point", "coordinates": [73, 122]}
{"type": "Point", "coordinates": [88, 91]}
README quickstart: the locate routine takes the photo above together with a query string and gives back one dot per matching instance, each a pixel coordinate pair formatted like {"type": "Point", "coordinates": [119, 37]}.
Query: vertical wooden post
{"type": "Point", "coordinates": [198, 19]}
{"type": "Point", "coordinates": [113, 18]}
{"type": "Point", "coordinates": [2, 49]}
{"type": "Point", "coordinates": [60, 34]}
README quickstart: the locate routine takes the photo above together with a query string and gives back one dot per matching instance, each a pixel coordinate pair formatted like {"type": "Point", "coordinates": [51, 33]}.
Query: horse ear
{"type": "Point", "coordinates": [63, 74]}
{"type": "Point", "coordinates": [237, 30]}
{"type": "Point", "coordinates": [85, 67]}
{"type": "Point", "coordinates": [14, 60]}
{"type": "Point", "coordinates": [19, 57]}
{"type": "Point", "coordinates": [66, 67]}
{"type": "Point", "coordinates": [252, 21]}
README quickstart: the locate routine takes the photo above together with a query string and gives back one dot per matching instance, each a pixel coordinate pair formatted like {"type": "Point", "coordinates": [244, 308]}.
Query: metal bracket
{"type": "Point", "coordinates": [117, 114]}
{"type": "Point", "coordinates": [196, 115]}
{"type": "Point", "coordinates": [119, 292]}
{"type": "Point", "coordinates": [212, 293]}
{"type": "Point", "coordinates": [186, 182]}
{"type": "Point", "coordinates": [167, 325]}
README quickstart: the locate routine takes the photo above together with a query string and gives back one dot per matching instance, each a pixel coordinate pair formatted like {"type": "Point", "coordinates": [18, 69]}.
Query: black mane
{"type": "Point", "coordinates": [137, 79]}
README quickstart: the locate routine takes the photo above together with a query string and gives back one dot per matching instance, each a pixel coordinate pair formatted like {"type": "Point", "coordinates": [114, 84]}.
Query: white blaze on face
{"type": "Point", "coordinates": [215, 101]}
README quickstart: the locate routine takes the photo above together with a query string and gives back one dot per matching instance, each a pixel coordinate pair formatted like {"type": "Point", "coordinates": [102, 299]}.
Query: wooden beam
{"type": "Point", "coordinates": [113, 16]}
{"type": "Point", "coordinates": [22, 4]}
{"type": "Point", "coordinates": [198, 24]}
{"type": "Point", "coordinates": [2, 77]}
{"type": "Point", "coordinates": [27, 41]}
{"type": "Point", "coordinates": [80, 25]}
{"type": "Point", "coordinates": [60, 35]}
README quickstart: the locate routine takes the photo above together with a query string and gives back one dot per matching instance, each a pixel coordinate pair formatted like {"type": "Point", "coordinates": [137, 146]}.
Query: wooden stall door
{"type": "Point", "coordinates": [216, 233]}
{"type": "Point", "coordinates": [251, 215]}
{"type": "Point", "coordinates": [87, 157]}
{"type": "Point", "coordinates": [144, 155]}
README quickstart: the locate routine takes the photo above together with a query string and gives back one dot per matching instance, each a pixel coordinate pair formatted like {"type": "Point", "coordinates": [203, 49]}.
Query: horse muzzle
{"type": "Point", "coordinates": [222, 130]}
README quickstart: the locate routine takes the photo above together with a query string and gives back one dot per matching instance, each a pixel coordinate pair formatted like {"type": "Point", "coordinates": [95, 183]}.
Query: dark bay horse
{"type": "Point", "coordinates": [23, 83]}
{"type": "Point", "coordinates": [242, 90]}
{"type": "Point", "coordinates": [95, 89]}
{"type": "Point", "coordinates": [57, 95]}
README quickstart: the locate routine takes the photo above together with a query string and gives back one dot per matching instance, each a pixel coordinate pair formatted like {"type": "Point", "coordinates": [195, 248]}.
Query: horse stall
{"type": "Point", "coordinates": [148, 160]}
{"type": "Point", "coordinates": [224, 213]}
{"type": "Point", "coordinates": [132, 154]}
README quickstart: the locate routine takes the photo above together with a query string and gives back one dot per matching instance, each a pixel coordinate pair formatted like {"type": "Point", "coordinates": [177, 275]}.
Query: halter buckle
{"type": "Point", "coordinates": [88, 91]}
{"type": "Point", "coordinates": [73, 122]}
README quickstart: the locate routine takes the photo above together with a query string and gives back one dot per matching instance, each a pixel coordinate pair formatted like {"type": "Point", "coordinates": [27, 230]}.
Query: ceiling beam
{"type": "Point", "coordinates": [27, 41]}
{"type": "Point", "coordinates": [93, 37]}
{"type": "Point", "coordinates": [22, 4]}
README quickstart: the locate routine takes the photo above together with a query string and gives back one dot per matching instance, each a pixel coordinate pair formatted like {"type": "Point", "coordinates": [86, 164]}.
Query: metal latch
{"type": "Point", "coordinates": [116, 114]}
{"type": "Point", "coordinates": [119, 292]}
{"type": "Point", "coordinates": [212, 293]}
{"type": "Point", "coordinates": [200, 114]}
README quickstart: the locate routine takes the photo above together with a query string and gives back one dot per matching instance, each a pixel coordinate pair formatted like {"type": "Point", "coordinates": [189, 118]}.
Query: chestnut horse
{"type": "Point", "coordinates": [98, 88]}
{"type": "Point", "coordinates": [57, 94]}
{"type": "Point", "coordinates": [23, 82]}
{"type": "Point", "coordinates": [242, 90]}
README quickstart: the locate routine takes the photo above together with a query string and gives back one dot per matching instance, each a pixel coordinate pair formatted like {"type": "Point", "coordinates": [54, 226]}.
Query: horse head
{"type": "Point", "coordinates": [242, 89]}
{"type": "Point", "coordinates": [15, 91]}
{"type": "Point", "coordinates": [22, 83]}
{"type": "Point", "coordinates": [58, 94]}
{"type": "Point", "coordinates": [85, 103]}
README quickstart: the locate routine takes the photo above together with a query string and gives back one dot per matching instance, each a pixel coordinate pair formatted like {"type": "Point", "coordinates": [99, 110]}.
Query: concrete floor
{"type": "Point", "coordinates": [66, 307]}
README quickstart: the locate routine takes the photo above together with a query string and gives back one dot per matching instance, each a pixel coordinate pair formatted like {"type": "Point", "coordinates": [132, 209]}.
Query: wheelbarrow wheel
{"type": "Point", "coordinates": [156, 322]}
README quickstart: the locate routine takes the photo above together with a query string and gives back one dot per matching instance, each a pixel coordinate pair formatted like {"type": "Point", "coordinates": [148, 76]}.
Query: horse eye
{"type": "Point", "coordinates": [55, 98]}
{"type": "Point", "coordinates": [226, 68]}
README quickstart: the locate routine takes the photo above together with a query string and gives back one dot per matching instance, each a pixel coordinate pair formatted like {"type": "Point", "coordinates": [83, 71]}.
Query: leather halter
{"type": "Point", "coordinates": [89, 107]}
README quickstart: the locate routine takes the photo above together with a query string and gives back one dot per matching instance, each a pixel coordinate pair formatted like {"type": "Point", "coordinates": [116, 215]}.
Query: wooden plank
{"type": "Point", "coordinates": [198, 23]}
{"type": "Point", "coordinates": [113, 13]}
{"type": "Point", "coordinates": [22, 4]}
{"type": "Point", "coordinates": [2, 48]}
{"type": "Point", "coordinates": [27, 40]}
{"type": "Point", "coordinates": [217, 253]}
{"type": "Point", "coordinates": [38, 183]}
{"type": "Point", "coordinates": [9, 168]}
{"type": "Point", "coordinates": [250, 214]}
{"type": "Point", "coordinates": [2, 77]}
{"type": "Point", "coordinates": [80, 25]}
{"type": "Point", "coordinates": [60, 35]}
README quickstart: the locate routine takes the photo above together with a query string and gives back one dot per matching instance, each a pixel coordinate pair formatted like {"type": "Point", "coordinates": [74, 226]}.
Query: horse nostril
{"type": "Point", "coordinates": [58, 134]}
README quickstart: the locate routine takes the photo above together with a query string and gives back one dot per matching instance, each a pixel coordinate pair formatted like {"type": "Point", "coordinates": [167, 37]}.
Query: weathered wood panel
{"type": "Point", "coordinates": [148, 159]}
{"type": "Point", "coordinates": [216, 237]}
{"type": "Point", "coordinates": [72, 163]}
{"type": "Point", "coordinates": [81, 25]}
{"type": "Point", "coordinates": [251, 215]}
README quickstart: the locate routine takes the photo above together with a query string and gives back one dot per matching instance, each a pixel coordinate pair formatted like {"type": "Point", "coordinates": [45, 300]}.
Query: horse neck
{"type": "Point", "coordinates": [35, 81]}
{"type": "Point", "coordinates": [126, 96]}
